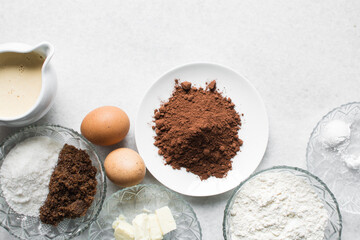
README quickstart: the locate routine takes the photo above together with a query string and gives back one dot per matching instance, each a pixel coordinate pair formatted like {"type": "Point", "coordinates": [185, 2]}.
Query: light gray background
{"type": "Point", "coordinates": [303, 57]}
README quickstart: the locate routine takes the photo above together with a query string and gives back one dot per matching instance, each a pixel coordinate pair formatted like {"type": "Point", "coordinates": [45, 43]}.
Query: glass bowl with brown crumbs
{"type": "Point", "coordinates": [76, 187]}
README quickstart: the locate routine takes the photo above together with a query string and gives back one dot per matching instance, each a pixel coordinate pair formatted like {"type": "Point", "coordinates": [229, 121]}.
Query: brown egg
{"type": "Point", "coordinates": [125, 167]}
{"type": "Point", "coordinates": [105, 126]}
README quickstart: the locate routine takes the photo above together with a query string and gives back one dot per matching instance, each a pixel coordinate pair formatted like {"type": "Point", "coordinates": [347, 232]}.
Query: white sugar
{"type": "Point", "coordinates": [26, 171]}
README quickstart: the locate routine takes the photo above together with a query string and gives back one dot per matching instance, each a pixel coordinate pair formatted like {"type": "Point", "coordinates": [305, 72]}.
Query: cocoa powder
{"type": "Point", "coordinates": [197, 129]}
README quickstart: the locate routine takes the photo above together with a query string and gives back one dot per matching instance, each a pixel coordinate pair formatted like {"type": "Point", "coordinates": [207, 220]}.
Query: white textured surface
{"type": "Point", "coordinates": [303, 57]}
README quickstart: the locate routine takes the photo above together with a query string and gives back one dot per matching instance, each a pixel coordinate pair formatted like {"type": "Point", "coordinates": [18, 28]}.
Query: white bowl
{"type": "Point", "coordinates": [254, 130]}
{"type": "Point", "coordinates": [48, 87]}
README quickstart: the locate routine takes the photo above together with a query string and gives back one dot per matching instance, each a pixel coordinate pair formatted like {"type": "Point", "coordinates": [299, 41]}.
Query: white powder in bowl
{"type": "Point", "coordinates": [351, 161]}
{"type": "Point", "coordinates": [277, 205]}
{"type": "Point", "coordinates": [335, 132]}
{"type": "Point", "coordinates": [26, 171]}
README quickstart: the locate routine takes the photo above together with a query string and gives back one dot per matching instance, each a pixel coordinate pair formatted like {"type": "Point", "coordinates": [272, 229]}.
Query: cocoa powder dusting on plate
{"type": "Point", "coordinates": [72, 187]}
{"type": "Point", "coordinates": [197, 129]}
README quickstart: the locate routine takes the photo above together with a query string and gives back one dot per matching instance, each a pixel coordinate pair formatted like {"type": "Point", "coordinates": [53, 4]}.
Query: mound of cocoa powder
{"type": "Point", "coordinates": [72, 187]}
{"type": "Point", "coordinates": [197, 129]}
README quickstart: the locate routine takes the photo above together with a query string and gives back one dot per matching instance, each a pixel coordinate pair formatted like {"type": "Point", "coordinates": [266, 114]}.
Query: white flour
{"type": "Point", "coordinates": [278, 206]}
{"type": "Point", "coordinates": [25, 174]}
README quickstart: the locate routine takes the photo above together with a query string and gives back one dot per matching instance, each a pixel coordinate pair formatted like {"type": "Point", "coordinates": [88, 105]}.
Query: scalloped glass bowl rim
{"type": "Point", "coordinates": [140, 186]}
{"type": "Point", "coordinates": [316, 127]}
{"type": "Point", "coordinates": [34, 126]}
{"type": "Point", "coordinates": [282, 167]}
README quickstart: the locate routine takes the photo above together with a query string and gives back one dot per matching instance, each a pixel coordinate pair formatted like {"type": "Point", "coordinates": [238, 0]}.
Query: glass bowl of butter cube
{"type": "Point", "coordinates": [146, 211]}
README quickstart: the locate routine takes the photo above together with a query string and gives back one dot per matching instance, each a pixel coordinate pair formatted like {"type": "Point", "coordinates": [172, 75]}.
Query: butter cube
{"type": "Point", "coordinates": [117, 221]}
{"type": "Point", "coordinates": [155, 230]}
{"type": "Point", "coordinates": [141, 227]}
{"type": "Point", "coordinates": [166, 220]}
{"type": "Point", "coordinates": [123, 230]}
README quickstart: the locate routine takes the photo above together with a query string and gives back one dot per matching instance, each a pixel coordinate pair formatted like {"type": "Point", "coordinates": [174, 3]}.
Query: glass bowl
{"type": "Point", "coordinates": [25, 227]}
{"type": "Point", "coordinates": [327, 163]}
{"type": "Point", "coordinates": [133, 200]}
{"type": "Point", "coordinates": [334, 226]}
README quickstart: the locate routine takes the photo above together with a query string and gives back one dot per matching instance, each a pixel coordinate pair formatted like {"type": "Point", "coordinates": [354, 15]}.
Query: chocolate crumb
{"type": "Point", "coordinates": [186, 85]}
{"type": "Point", "coordinates": [212, 85]}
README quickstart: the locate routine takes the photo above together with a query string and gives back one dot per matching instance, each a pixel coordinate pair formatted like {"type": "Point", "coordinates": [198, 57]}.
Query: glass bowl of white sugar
{"type": "Point", "coordinates": [17, 213]}
{"type": "Point", "coordinates": [282, 203]}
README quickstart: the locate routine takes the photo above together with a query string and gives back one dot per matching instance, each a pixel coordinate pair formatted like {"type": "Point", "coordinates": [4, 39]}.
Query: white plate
{"type": "Point", "coordinates": [254, 131]}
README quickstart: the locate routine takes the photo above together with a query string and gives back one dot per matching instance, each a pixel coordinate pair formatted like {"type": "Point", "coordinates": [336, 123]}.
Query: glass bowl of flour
{"type": "Point", "coordinates": [27, 224]}
{"type": "Point", "coordinates": [282, 203]}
